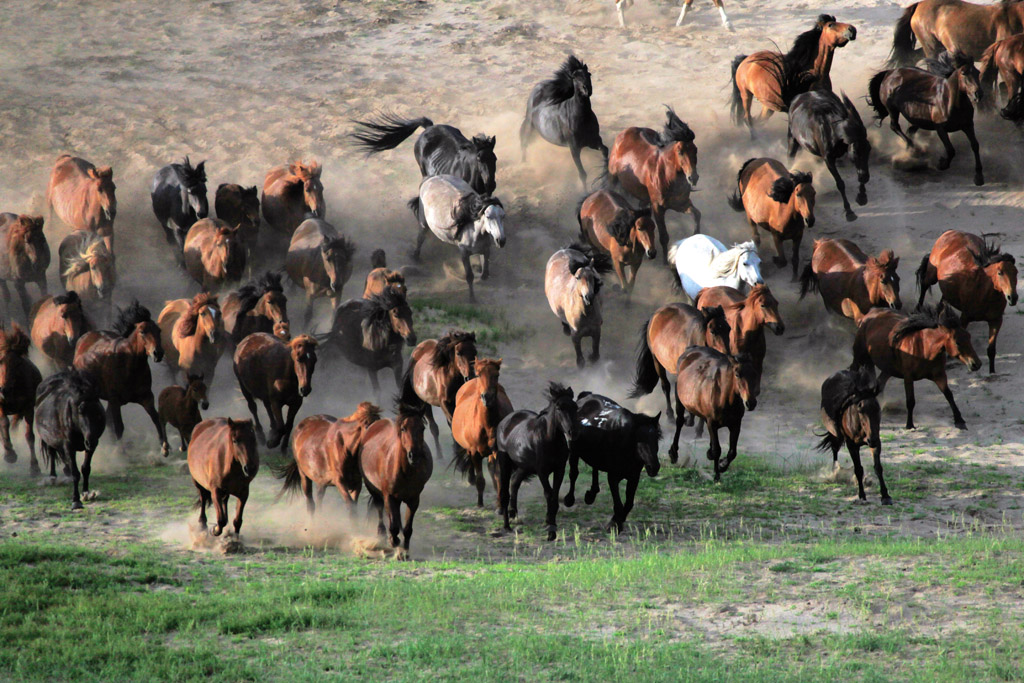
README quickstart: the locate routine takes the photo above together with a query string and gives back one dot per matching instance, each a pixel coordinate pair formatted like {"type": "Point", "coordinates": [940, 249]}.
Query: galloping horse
{"type": "Point", "coordinates": [87, 267]}
{"type": "Point", "coordinates": [24, 257]}
{"type": "Point", "coordinates": [223, 459]}
{"type": "Point", "coordinates": [178, 193]}
{"type": "Point", "coordinates": [621, 5]}
{"type": "Point", "coordinates": [320, 261]}
{"type": "Point", "coordinates": [1004, 58]}
{"type": "Point", "coordinates": [57, 323]}
{"type": "Point", "coordinates": [179, 407]}
{"type": "Point", "coordinates": [214, 254]}
{"type": "Point", "coordinates": [572, 285]}
{"type": "Point", "coordinates": [192, 335]}
{"type": "Point", "coordinates": [380, 277]}
{"type": "Point", "coordinates": [953, 25]}
{"type": "Point", "coordinates": [19, 379]}
{"type": "Point", "coordinates": [240, 206]}
{"type": "Point", "coordinates": [701, 261]}
{"type": "Point", "coordinates": [259, 306]}
{"type": "Point", "coordinates": [290, 193]}
{"type": "Point", "coordinates": [747, 317]}
{"type": "Point", "coordinates": [83, 196]}
{"type": "Point", "coordinates": [610, 225]}
{"type": "Point", "coordinates": [480, 405]}
{"type": "Point", "coordinates": [849, 281]}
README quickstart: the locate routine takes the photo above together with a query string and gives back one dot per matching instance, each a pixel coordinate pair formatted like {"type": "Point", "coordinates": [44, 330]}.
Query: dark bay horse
{"type": "Point", "coordinates": [480, 405]}
{"type": "Point", "coordinates": [223, 459]}
{"type": "Point", "coordinates": [19, 379]}
{"type": "Point", "coordinates": [240, 206]}
{"type": "Point", "coordinates": [319, 260]}
{"type": "Point", "coordinates": [610, 225]}
{"type": "Point", "coordinates": [179, 407]}
{"type": "Point", "coordinates": [178, 193]}
{"type": "Point", "coordinates": [192, 335]}
{"type": "Point", "coordinates": [953, 25]}
{"type": "Point", "coordinates": [214, 254]}
{"type": "Point", "coordinates": [1004, 59]}
{"type": "Point", "coordinates": [747, 316]}
{"type": "Point", "coordinates": [290, 194]}
{"type": "Point", "coordinates": [976, 278]}
{"type": "Point", "coordinates": [57, 323]}
{"type": "Point", "coordinates": [83, 196]}
{"type": "Point", "coordinates": [258, 306]}
{"type": "Point", "coordinates": [850, 282]}
{"type": "Point", "coordinates": [24, 258]}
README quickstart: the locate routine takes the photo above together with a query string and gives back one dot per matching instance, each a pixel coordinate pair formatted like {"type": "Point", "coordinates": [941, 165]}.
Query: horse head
{"type": "Point", "coordinates": [197, 391]}
{"type": "Point", "coordinates": [303, 352]}
{"type": "Point", "coordinates": [336, 255]}
{"type": "Point", "coordinates": [957, 340]}
{"type": "Point", "coordinates": [1002, 271]}
{"type": "Point", "coordinates": [243, 446]}
{"type": "Point", "coordinates": [716, 328]}
{"type": "Point", "coordinates": [225, 242]}
{"type": "Point", "coordinates": [746, 264]}
{"type": "Point", "coordinates": [459, 349]}
{"type": "Point", "coordinates": [136, 324]}
{"type": "Point", "coordinates": [803, 197]}
{"type": "Point", "coordinates": [580, 75]}
{"type": "Point", "coordinates": [748, 379]}
{"type": "Point", "coordinates": [486, 161]}
{"type": "Point", "coordinates": [72, 318]}
{"type": "Point", "coordinates": [312, 188]}
{"type": "Point", "coordinates": [763, 302]}
{"type": "Point", "coordinates": [102, 183]}
{"type": "Point", "coordinates": [273, 304]}
{"type": "Point", "coordinates": [681, 138]}
{"type": "Point", "coordinates": [193, 187]}
{"type": "Point", "coordinates": [410, 425]}
{"type": "Point", "coordinates": [882, 280]}
{"type": "Point", "coordinates": [561, 411]}
{"type": "Point", "coordinates": [588, 283]}
{"type": "Point", "coordinates": [487, 371]}
{"type": "Point", "coordinates": [250, 205]}
{"type": "Point", "coordinates": [209, 322]}
{"type": "Point", "coordinates": [95, 259]}
{"type": "Point", "coordinates": [967, 78]}
{"type": "Point", "coordinates": [836, 34]}
{"type": "Point", "coordinates": [647, 434]}
{"type": "Point", "coordinates": [27, 242]}
{"type": "Point", "coordinates": [13, 343]}
{"type": "Point", "coordinates": [644, 232]}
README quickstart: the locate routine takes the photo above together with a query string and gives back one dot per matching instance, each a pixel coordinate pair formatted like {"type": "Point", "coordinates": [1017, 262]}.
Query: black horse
{"type": "Point", "coordinates": [179, 199]}
{"type": "Point", "coordinates": [559, 110]}
{"type": "Point", "coordinates": [439, 150]}
{"type": "Point", "coordinates": [531, 443]}
{"type": "Point", "coordinates": [828, 127]}
{"type": "Point", "coordinates": [69, 418]}
{"type": "Point", "coordinates": [612, 439]}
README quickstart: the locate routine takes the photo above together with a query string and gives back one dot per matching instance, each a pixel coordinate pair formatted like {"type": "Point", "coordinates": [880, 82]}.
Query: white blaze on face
{"type": "Point", "coordinates": [493, 224]}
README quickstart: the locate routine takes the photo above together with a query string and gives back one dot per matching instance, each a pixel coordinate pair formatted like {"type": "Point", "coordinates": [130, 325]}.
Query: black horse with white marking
{"type": "Point", "coordinates": [179, 199]}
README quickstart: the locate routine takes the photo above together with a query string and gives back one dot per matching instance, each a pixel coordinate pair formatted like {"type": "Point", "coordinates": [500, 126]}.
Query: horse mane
{"type": "Point", "coordinates": [884, 261]}
{"type": "Point", "coordinates": [365, 412]}
{"type": "Point", "coordinates": [675, 129]}
{"type": "Point", "coordinates": [190, 175]}
{"type": "Point", "coordinates": [560, 87]}
{"type": "Point", "coordinates": [623, 223]}
{"type": "Point", "coordinates": [378, 259]}
{"type": "Point", "coordinates": [66, 299]}
{"type": "Point", "coordinates": [21, 230]}
{"type": "Point", "coordinates": [409, 411]}
{"type": "Point", "coordinates": [598, 260]}
{"type": "Point", "coordinates": [342, 244]}
{"type": "Point", "coordinates": [130, 316]}
{"type": "Point", "coordinates": [483, 143]}
{"type": "Point", "coordinates": [854, 122]}
{"type": "Point", "coordinates": [190, 318]}
{"type": "Point", "coordinates": [945, 63]}
{"type": "Point", "coordinates": [805, 48]}
{"type": "Point", "coordinates": [469, 208]}
{"type": "Point", "coordinates": [376, 323]}
{"type": "Point", "coordinates": [79, 384]}
{"type": "Point", "coordinates": [852, 386]}
{"type": "Point", "coordinates": [90, 247]}
{"type": "Point", "coordinates": [801, 177]}
{"type": "Point", "coordinates": [444, 350]}
{"type": "Point", "coordinates": [928, 318]}
{"type": "Point", "coordinates": [557, 392]}
{"type": "Point", "coordinates": [782, 189]}
{"type": "Point", "coordinates": [304, 171]}
{"type": "Point", "coordinates": [15, 341]}
{"type": "Point", "coordinates": [250, 294]}
{"type": "Point", "coordinates": [990, 253]}
{"type": "Point", "coordinates": [728, 261]}
{"type": "Point", "coordinates": [712, 313]}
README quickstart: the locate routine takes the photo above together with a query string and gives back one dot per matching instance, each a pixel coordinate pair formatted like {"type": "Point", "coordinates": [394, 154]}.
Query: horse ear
{"type": "Point", "coordinates": [37, 222]}
{"type": "Point", "coordinates": [490, 143]}
{"type": "Point", "coordinates": [104, 172]}
{"type": "Point", "coordinates": [578, 273]}
{"type": "Point", "coordinates": [201, 167]}
{"type": "Point", "coordinates": [231, 423]}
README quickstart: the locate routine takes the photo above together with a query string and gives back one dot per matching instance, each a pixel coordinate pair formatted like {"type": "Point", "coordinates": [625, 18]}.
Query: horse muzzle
{"type": "Point", "coordinates": [809, 222]}
{"type": "Point", "coordinates": [777, 328]}
{"type": "Point", "coordinates": [653, 469]}
{"type": "Point", "coordinates": [306, 390]}
{"type": "Point", "coordinates": [158, 355]}
{"type": "Point", "coordinates": [751, 404]}
{"type": "Point", "coordinates": [652, 254]}
{"type": "Point", "coordinates": [108, 214]}
{"type": "Point", "coordinates": [249, 470]}
{"type": "Point", "coordinates": [205, 405]}
{"type": "Point", "coordinates": [693, 178]}
{"type": "Point", "coordinates": [973, 363]}
{"type": "Point", "coordinates": [500, 242]}
{"type": "Point", "coordinates": [896, 305]}
{"type": "Point", "coordinates": [410, 340]}
{"type": "Point", "coordinates": [1012, 299]}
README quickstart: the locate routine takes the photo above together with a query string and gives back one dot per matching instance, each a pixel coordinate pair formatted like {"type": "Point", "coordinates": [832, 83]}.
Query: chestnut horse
{"type": "Point", "coordinates": [240, 206]}
{"type": "Point", "coordinates": [259, 306]}
{"type": "Point", "coordinates": [976, 278]}
{"type": "Point", "coordinates": [19, 379]}
{"type": "Point", "coordinates": [380, 277]}
{"type": "Point", "coordinates": [223, 459]}
{"type": "Point", "coordinates": [290, 194]}
{"type": "Point", "coordinates": [214, 254]}
{"type": "Point", "coordinates": [776, 200]}
{"type": "Point", "coordinates": [849, 281]}
{"type": "Point", "coordinates": [747, 317]}
{"type": "Point", "coordinates": [625, 234]}
{"type": "Point", "coordinates": [395, 463]}
{"type": "Point", "coordinates": [87, 267]}
{"type": "Point", "coordinates": [572, 284]}
{"type": "Point", "coordinates": [621, 5]}
{"type": "Point", "coordinates": [192, 334]}
{"type": "Point", "coordinates": [716, 388]}
{"type": "Point", "coordinates": [479, 406]}
{"type": "Point", "coordinates": [659, 169]}
{"type": "Point", "coordinates": [1005, 59]}
{"type": "Point", "coordinates": [83, 196]}
{"type": "Point", "coordinates": [914, 347]}
{"type": "Point", "coordinates": [319, 260]}
{"type": "Point", "coordinates": [24, 257]}
{"type": "Point", "coordinates": [57, 323]}
{"type": "Point", "coordinates": [953, 25]}
{"type": "Point", "coordinates": [179, 407]}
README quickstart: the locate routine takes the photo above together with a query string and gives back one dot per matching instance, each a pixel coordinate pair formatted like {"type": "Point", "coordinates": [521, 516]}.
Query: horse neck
{"type": "Point", "coordinates": [133, 345]}
{"type": "Point", "coordinates": [669, 166]}
{"type": "Point", "coordinates": [577, 310]}
{"type": "Point", "coordinates": [929, 343]}
{"type": "Point", "coordinates": [746, 328]}
{"type": "Point", "coordinates": [952, 94]}
{"type": "Point", "coordinates": [216, 261]}
{"type": "Point", "coordinates": [823, 64]}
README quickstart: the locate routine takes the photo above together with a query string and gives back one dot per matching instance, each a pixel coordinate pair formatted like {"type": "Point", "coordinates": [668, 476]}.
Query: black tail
{"type": "Point", "coordinates": [735, 203]}
{"type": "Point", "coordinates": [646, 367]}
{"type": "Point", "coordinates": [385, 132]}
{"type": "Point", "coordinates": [736, 103]}
{"type": "Point", "coordinates": [920, 274]}
{"type": "Point", "coordinates": [829, 443]}
{"type": "Point", "coordinates": [417, 210]}
{"type": "Point", "coordinates": [903, 40]}
{"type": "Point", "coordinates": [808, 281]}
{"type": "Point", "coordinates": [875, 96]}
{"type": "Point", "coordinates": [462, 463]}
{"type": "Point", "coordinates": [288, 471]}
{"type": "Point", "coordinates": [408, 394]}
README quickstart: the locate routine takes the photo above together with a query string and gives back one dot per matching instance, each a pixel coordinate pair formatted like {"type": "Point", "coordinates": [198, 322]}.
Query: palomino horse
{"type": "Point", "coordinates": [259, 306]}
{"type": "Point", "coordinates": [531, 443]}
{"type": "Point", "coordinates": [69, 418]}
{"type": "Point", "coordinates": [612, 439]}
{"type": "Point", "coordinates": [395, 462]}
{"type": "Point", "coordinates": [851, 415]}
{"type": "Point", "coordinates": [776, 200]}
{"type": "Point", "coordinates": [439, 150]}
{"type": "Point", "coordinates": [976, 278]}
{"type": "Point", "coordinates": [572, 284]}
{"type": "Point", "coordinates": [178, 193]}
{"type": "Point", "coordinates": [214, 254]}
{"type": "Point", "coordinates": [24, 257]}
{"type": "Point", "coordinates": [1004, 58]}
{"type": "Point", "coordinates": [325, 452]}
{"type": "Point", "coordinates": [775, 78]}
{"type": "Point", "coordinates": [625, 234]}
{"type": "Point", "coordinates": [559, 110]}
{"type": "Point", "coordinates": [716, 388]}
{"type": "Point", "coordinates": [192, 334]}
{"type": "Point", "coordinates": [942, 101]}
{"type": "Point", "coordinates": [664, 337]}
{"type": "Point", "coordinates": [319, 260]}
{"type": "Point", "coordinates": [381, 277]}
{"type": "Point", "coordinates": [747, 317]}
{"type": "Point", "coordinates": [701, 261]}
{"type": "Point", "coordinates": [953, 25]}
{"type": "Point", "coordinates": [83, 196]}
{"type": "Point", "coordinates": [223, 459]}
{"type": "Point", "coordinates": [57, 323]}
{"type": "Point", "coordinates": [179, 407]}
{"type": "Point", "coordinates": [87, 267]}
{"type": "Point", "coordinates": [659, 169]}
{"type": "Point", "coordinates": [117, 361]}
{"type": "Point", "coordinates": [19, 379]}
{"type": "Point", "coordinates": [279, 374]}
{"type": "Point", "coordinates": [850, 282]}
{"type": "Point", "coordinates": [621, 5]}
{"type": "Point", "coordinates": [240, 206]}
{"type": "Point", "coordinates": [480, 406]}
{"type": "Point", "coordinates": [290, 194]}
{"type": "Point", "coordinates": [914, 347]}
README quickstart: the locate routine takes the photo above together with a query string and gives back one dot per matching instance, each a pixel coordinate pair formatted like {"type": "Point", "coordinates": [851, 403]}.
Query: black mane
{"type": "Point", "coordinates": [69, 298]}
{"type": "Point", "coordinates": [376, 322]}
{"type": "Point", "coordinates": [845, 388]}
{"type": "Point", "coordinates": [557, 392]}
{"type": "Point", "coordinates": [561, 87]}
{"type": "Point", "coordinates": [470, 208]}
{"type": "Point", "coordinates": [928, 318]}
{"type": "Point", "coordinates": [444, 351]}
{"type": "Point", "coordinates": [805, 48]}
{"type": "Point", "coordinates": [588, 256]}
{"type": "Point", "coordinates": [191, 176]}
{"type": "Point", "coordinates": [675, 129]}
{"type": "Point", "coordinates": [250, 293]}
{"type": "Point", "coordinates": [129, 317]}
{"type": "Point", "coordinates": [342, 244]}
{"type": "Point", "coordinates": [990, 254]}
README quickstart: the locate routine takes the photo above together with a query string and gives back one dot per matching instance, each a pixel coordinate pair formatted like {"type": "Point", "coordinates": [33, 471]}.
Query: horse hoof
{"type": "Point", "coordinates": [887, 501]}
{"type": "Point", "coordinates": [979, 179]}
{"type": "Point", "coordinates": [613, 525]}
{"type": "Point", "coordinates": [850, 216]}
{"type": "Point", "coordinates": [77, 505]}
{"type": "Point", "coordinates": [165, 450]}
{"type": "Point", "coordinates": [960, 425]}
{"type": "Point", "coordinates": [10, 457]}
{"type": "Point", "coordinates": [551, 534]}
{"type": "Point", "coordinates": [943, 164]}
{"type": "Point", "coordinates": [217, 530]}
{"type": "Point", "coordinates": [589, 497]}
{"type": "Point", "coordinates": [513, 513]}
{"type": "Point", "coordinates": [569, 500]}
{"type": "Point", "coordinates": [673, 457]}
{"type": "Point", "coordinates": [274, 441]}
{"type": "Point", "coordinates": [862, 198]}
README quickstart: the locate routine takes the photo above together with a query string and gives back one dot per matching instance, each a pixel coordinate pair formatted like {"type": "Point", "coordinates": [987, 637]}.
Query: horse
{"type": "Point", "coordinates": [774, 79]}
{"type": "Point", "coordinates": [716, 388]}
{"type": "Point", "coordinates": [448, 207]}
{"type": "Point", "coordinates": [851, 415]}
{"type": "Point", "coordinates": [914, 347]}
{"type": "Point", "coordinates": [850, 282]}
{"type": "Point", "coordinates": [179, 407]}
{"type": "Point", "coordinates": [223, 459]}
{"type": "Point", "coordinates": [395, 462]}
{"type": "Point", "coordinates": [240, 206]}
{"type": "Point", "coordinates": [192, 335]}
{"type": "Point", "coordinates": [942, 101]}
{"type": "Point", "coordinates": [319, 260]}
{"type": "Point", "coordinates": [69, 418]}
{"type": "Point", "coordinates": [290, 194]}
{"type": "Point", "coordinates": [325, 452]}
{"type": "Point", "coordinates": [659, 169]}
{"type": "Point", "coordinates": [214, 254]}
{"type": "Point", "coordinates": [437, 369]}
{"type": "Point", "coordinates": [952, 25]}
{"type": "Point", "coordinates": [702, 261]}
{"type": "Point", "coordinates": [626, 235]}
{"type": "Point", "coordinates": [278, 374]}
{"type": "Point", "coordinates": [559, 110]}
{"type": "Point", "coordinates": [19, 379]}
{"type": "Point", "coordinates": [24, 257]}
{"type": "Point", "coordinates": [57, 323]}
{"type": "Point", "coordinates": [531, 443]}
{"type": "Point", "coordinates": [87, 268]}
{"type": "Point", "coordinates": [83, 196]}
{"type": "Point", "coordinates": [1004, 58]}
{"type": "Point", "coordinates": [776, 200]}
{"type": "Point", "coordinates": [117, 361]}
{"type": "Point", "coordinates": [621, 5]}
{"type": "Point", "coordinates": [381, 277]}
{"type": "Point", "coordinates": [439, 150]}
{"type": "Point", "coordinates": [828, 128]}
{"type": "Point", "coordinates": [747, 317]}
{"type": "Point", "coordinates": [977, 278]}
{"type": "Point", "coordinates": [572, 285]}
{"type": "Point", "coordinates": [258, 306]}
{"type": "Point", "coordinates": [665, 336]}
{"type": "Point", "coordinates": [178, 193]}
{"type": "Point", "coordinates": [480, 405]}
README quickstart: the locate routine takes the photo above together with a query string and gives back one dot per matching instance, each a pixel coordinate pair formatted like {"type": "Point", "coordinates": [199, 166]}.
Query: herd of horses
{"type": "Point", "coordinates": [714, 344]}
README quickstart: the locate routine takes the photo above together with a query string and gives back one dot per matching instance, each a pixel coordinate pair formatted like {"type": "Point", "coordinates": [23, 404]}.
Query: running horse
{"type": "Point", "coordinates": [850, 282]}
{"type": "Point", "coordinates": [952, 25]}
{"type": "Point", "coordinates": [83, 196]}
{"type": "Point", "coordinates": [1004, 59]}
{"type": "Point", "coordinates": [258, 306]}
{"type": "Point", "coordinates": [178, 193]}
{"type": "Point", "coordinates": [57, 323]}
{"type": "Point", "coordinates": [625, 234]}
{"type": "Point", "coordinates": [24, 258]}
{"type": "Point", "coordinates": [747, 317]}
{"type": "Point", "coordinates": [480, 405]}
{"type": "Point", "coordinates": [19, 379]}
{"type": "Point", "coordinates": [193, 337]}
{"type": "Point", "coordinates": [572, 285]}
{"type": "Point", "coordinates": [292, 193]}
{"type": "Point", "coordinates": [621, 5]}
{"type": "Point", "coordinates": [223, 460]}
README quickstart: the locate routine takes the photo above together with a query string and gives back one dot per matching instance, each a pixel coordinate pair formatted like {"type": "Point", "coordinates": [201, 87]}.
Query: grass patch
{"type": "Point", "coordinates": [436, 316]}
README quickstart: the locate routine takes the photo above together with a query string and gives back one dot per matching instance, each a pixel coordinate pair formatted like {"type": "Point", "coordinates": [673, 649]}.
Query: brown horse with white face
{"type": "Point", "coordinates": [479, 406]}
{"type": "Point", "coordinates": [19, 379]}
{"type": "Point", "coordinates": [290, 194]}
{"type": "Point", "coordinates": [214, 254]}
{"type": "Point", "coordinates": [57, 323]}
{"type": "Point", "coordinates": [747, 317]}
{"type": "Point", "coordinates": [953, 25]}
{"type": "Point", "coordinates": [850, 282]}
{"type": "Point", "coordinates": [1005, 59]}
{"type": "Point", "coordinates": [223, 459]}
{"type": "Point", "coordinates": [192, 334]}
{"type": "Point", "coordinates": [24, 258]}
{"type": "Point", "coordinates": [976, 278]}
{"type": "Point", "coordinates": [259, 306]}
{"type": "Point", "coordinates": [319, 260]}
{"type": "Point", "coordinates": [83, 196]}
{"type": "Point", "coordinates": [626, 235]}
{"type": "Point", "coordinates": [87, 267]}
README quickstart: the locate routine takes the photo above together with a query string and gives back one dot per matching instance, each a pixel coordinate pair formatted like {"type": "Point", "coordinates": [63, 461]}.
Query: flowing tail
{"type": "Point", "coordinates": [736, 103]}
{"type": "Point", "coordinates": [808, 281]}
{"type": "Point", "coordinates": [417, 210]}
{"type": "Point", "coordinates": [462, 462]}
{"type": "Point", "coordinates": [989, 72]}
{"type": "Point", "coordinates": [921, 274]}
{"type": "Point", "coordinates": [387, 131]}
{"type": "Point", "coordinates": [672, 253]}
{"type": "Point", "coordinates": [829, 443]}
{"type": "Point", "coordinates": [903, 52]}
{"type": "Point", "coordinates": [288, 471]}
{"type": "Point", "coordinates": [875, 96]}
{"type": "Point", "coordinates": [646, 367]}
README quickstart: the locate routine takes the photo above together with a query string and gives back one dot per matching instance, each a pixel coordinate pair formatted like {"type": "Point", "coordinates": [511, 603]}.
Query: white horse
{"type": "Point", "coordinates": [703, 261]}
{"type": "Point", "coordinates": [621, 5]}
{"type": "Point", "coordinates": [448, 207]}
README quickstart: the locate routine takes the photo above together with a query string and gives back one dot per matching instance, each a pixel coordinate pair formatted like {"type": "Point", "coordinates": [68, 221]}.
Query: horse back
{"type": "Point", "coordinates": [837, 256]}
{"type": "Point", "coordinates": [704, 384]}
{"type": "Point", "coordinates": [672, 329]}
{"type": "Point", "coordinates": [311, 445]}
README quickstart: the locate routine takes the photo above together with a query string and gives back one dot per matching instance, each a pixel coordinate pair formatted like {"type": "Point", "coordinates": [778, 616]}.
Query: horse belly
{"type": "Point", "coordinates": [550, 127]}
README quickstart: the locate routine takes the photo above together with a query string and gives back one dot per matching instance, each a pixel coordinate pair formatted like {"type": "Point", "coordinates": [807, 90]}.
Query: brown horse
{"type": "Point", "coordinates": [716, 388]}
{"type": "Point", "coordinates": [279, 374]}
{"type": "Point", "coordinates": [774, 79]}
{"type": "Point", "coordinates": [659, 169]}
{"type": "Point", "coordinates": [976, 278]}
{"type": "Point", "coordinates": [747, 317]}
{"type": "Point", "coordinates": [479, 406]}
{"type": "Point", "coordinates": [24, 257]}
{"type": "Point", "coordinates": [325, 452]}
{"type": "Point", "coordinates": [1004, 58]}
{"type": "Point", "coordinates": [380, 276]}
{"type": "Point", "coordinates": [320, 261]}
{"type": "Point", "coordinates": [223, 460]}
{"type": "Point", "coordinates": [259, 306]}
{"type": "Point", "coordinates": [240, 206]}
{"type": "Point", "coordinates": [572, 284]}
{"type": "Point", "coordinates": [953, 25]}
{"type": "Point", "coordinates": [778, 201]}
{"type": "Point", "coordinates": [214, 254]}
{"type": "Point", "coordinates": [117, 361]}
{"type": "Point", "coordinates": [19, 379]}
{"type": "Point", "coordinates": [179, 407]}
{"type": "Point", "coordinates": [87, 267]}
{"type": "Point", "coordinates": [437, 369]}
{"type": "Point", "coordinates": [83, 196]}
{"type": "Point", "coordinates": [192, 334]}
{"type": "Point", "coordinates": [849, 281]}
{"type": "Point", "coordinates": [290, 193]}
{"type": "Point", "coordinates": [57, 323]}
{"type": "Point", "coordinates": [610, 225]}
{"type": "Point", "coordinates": [396, 464]}
{"type": "Point", "coordinates": [914, 347]}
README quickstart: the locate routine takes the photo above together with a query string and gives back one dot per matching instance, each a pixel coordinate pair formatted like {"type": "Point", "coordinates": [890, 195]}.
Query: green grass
{"type": "Point", "coordinates": [435, 316]}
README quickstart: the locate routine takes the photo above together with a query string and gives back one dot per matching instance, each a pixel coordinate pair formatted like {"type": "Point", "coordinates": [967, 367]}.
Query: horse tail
{"type": "Point", "coordinates": [387, 131]}
{"type": "Point", "coordinates": [416, 206]}
{"type": "Point", "coordinates": [462, 462]}
{"type": "Point", "coordinates": [646, 378]}
{"type": "Point", "coordinates": [677, 282]}
{"type": "Point", "coordinates": [903, 52]}
{"type": "Point", "coordinates": [408, 393]}
{"type": "Point", "coordinates": [288, 471]}
{"type": "Point", "coordinates": [736, 200]}
{"type": "Point", "coordinates": [988, 71]}
{"type": "Point", "coordinates": [808, 281]}
{"type": "Point", "coordinates": [736, 103]}
{"type": "Point", "coordinates": [829, 443]}
{"type": "Point", "coordinates": [875, 96]}
{"type": "Point", "coordinates": [920, 274]}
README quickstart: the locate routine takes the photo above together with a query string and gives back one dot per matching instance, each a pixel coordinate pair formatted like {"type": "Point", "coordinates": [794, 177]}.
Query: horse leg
{"type": "Point", "coordinates": [420, 239]}
{"type": "Point", "coordinates": [946, 160]}
{"type": "Point", "coordinates": [374, 383]}
{"type": "Point", "coordinates": [410, 512]}
{"type": "Point", "coordinates": [726, 24]}
{"type": "Point", "coordinates": [796, 255]}
{"type": "Point", "coordinates": [841, 186]}
{"type": "Point", "coordinates": [715, 450]}
{"type": "Point", "coordinates": [518, 477]}
{"type": "Point", "coordinates": [979, 176]}
{"type": "Point", "coordinates": [908, 387]}
{"type": "Point", "coordinates": [307, 490]}
{"type": "Point", "coordinates": [468, 268]}
{"type": "Point", "coordinates": [894, 124]}
{"type": "Point", "coordinates": [321, 491]}
{"type": "Point", "coordinates": [30, 436]}
{"type": "Point", "coordinates": [308, 315]}
{"type": "Point", "coordinates": [87, 469]}
{"type": "Point", "coordinates": [673, 451]}
{"type": "Point", "coordinates": [114, 419]}
{"type": "Point", "coordinates": [595, 349]}
{"type": "Point", "coordinates": [693, 211]}
{"type": "Point", "coordinates": [5, 438]}
{"type": "Point", "coordinates": [147, 405]}
{"type": "Point", "coordinates": [481, 483]}
{"type": "Point", "coordinates": [574, 471]}
{"type": "Point", "coordinates": [747, 100]}
{"type": "Point", "coordinates": [993, 332]}
{"type": "Point", "coordinates": [504, 476]}
{"type": "Point", "coordinates": [394, 506]}
{"type": "Point", "coordinates": [218, 505]}
{"type": "Point", "coordinates": [551, 495]}
{"type": "Point", "coordinates": [242, 496]}
{"type": "Point", "coordinates": [682, 12]}
{"type": "Point", "coordinates": [577, 345]}
{"type": "Point", "coordinates": [574, 150]}
{"type": "Point", "coordinates": [858, 469]}
{"type": "Point", "coordinates": [595, 487]}
{"type": "Point", "coordinates": [792, 145]}
{"type": "Point", "coordinates": [434, 431]}
{"type": "Point", "coordinates": [286, 429]}
{"type": "Point", "coordinates": [76, 498]}
{"type": "Point", "coordinates": [943, 385]}
{"type": "Point", "coordinates": [204, 499]}
{"type": "Point", "coordinates": [780, 259]}
{"type": "Point", "coordinates": [251, 402]}
{"type": "Point", "coordinates": [619, 10]}
{"type": "Point", "coordinates": [26, 303]}
{"type": "Point", "coordinates": [734, 437]}
{"type": "Point", "coordinates": [876, 454]}
{"type": "Point", "coordinates": [658, 214]}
